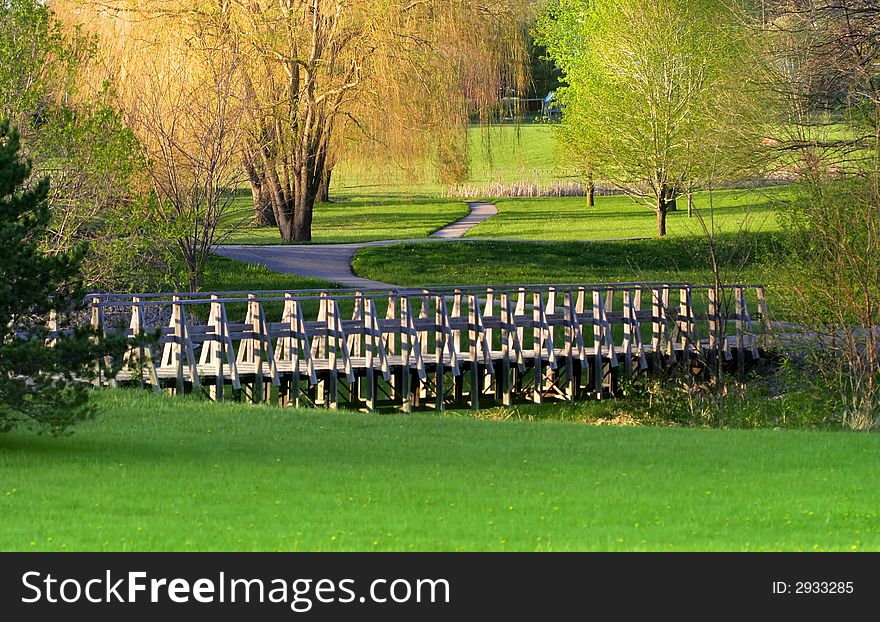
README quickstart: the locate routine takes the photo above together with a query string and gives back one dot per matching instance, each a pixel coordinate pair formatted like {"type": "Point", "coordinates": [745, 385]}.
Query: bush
{"type": "Point", "coordinates": [833, 279]}
{"type": "Point", "coordinates": [775, 396]}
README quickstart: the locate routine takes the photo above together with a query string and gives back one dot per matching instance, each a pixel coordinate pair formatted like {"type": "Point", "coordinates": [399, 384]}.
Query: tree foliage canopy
{"type": "Point", "coordinates": [658, 96]}
{"type": "Point", "coordinates": [79, 141]}
{"type": "Point", "coordinates": [313, 81]}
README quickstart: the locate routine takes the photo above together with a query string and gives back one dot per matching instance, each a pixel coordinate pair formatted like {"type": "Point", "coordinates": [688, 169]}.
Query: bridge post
{"type": "Point", "coordinates": [598, 365]}
{"type": "Point", "coordinates": [628, 320]}
{"type": "Point", "coordinates": [571, 383]}
{"type": "Point", "coordinates": [538, 338]}
{"type": "Point", "coordinates": [440, 346]}
{"type": "Point", "coordinates": [391, 345]}
{"type": "Point", "coordinates": [488, 312]}
{"type": "Point", "coordinates": [330, 341]}
{"type": "Point", "coordinates": [740, 304]}
{"type": "Point", "coordinates": [406, 347]}
{"type": "Point", "coordinates": [685, 322]}
{"type": "Point", "coordinates": [371, 344]}
{"type": "Point", "coordinates": [424, 313]}
{"type": "Point", "coordinates": [714, 328]}
{"type": "Point", "coordinates": [506, 326]}
{"type": "Point", "coordinates": [766, 325]}
{"type": "Point", "coordinates": [473, 310]}
{"type": "Point", "coordinates": [97, 322]}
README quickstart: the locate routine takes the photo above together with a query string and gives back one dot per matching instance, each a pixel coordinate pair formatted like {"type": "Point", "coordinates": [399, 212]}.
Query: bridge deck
{"type": "Point", "coordinates": [442, 346]}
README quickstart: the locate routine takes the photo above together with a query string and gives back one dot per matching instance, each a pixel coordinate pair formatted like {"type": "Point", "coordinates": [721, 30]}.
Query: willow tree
{"type": "Point", "coordinates": [658, 96]}
{"type": "Point", "coordinates": [390, 81]}
{"type": "Point", "coordinates": [176, 78]}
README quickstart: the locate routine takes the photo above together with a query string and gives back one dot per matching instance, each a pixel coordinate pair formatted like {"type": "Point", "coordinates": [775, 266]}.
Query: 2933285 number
{"type": "Point", "coordinates": [823, 587]}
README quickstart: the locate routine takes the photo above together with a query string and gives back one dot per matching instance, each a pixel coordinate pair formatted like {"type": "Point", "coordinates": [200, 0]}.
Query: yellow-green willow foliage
{"type": "Point", "coordinates": [320, 81]}
{"type": "Point", "coordinates": [177, 83]}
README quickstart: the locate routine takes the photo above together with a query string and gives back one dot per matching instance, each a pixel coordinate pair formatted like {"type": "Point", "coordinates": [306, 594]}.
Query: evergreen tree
{"type": "Point", "coordinates": [40, 386]}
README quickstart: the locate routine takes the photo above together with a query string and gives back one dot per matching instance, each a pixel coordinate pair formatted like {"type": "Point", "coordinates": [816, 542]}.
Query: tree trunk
{"type": "Point", "coordinates": [292, 207]}
{"type": "Point", "coordinates": [661, 221]}
{"type": "Point", "coordinates": [323, 195]}
{"type": "Point", "coordinates": [671, 200]}
{"type": "Point", "coordinates": [301, 230]}
{"type": "Point", "coordinates": [295, 225]}
{"type": "Point", "coordinates": [264, 216]}
{"type": "Point", "coordinates": [690, 197]}
{"type": "Point", "coordinates": [305, 183]}
{"type": "Point", "coordinates": [188, 252]}
{"type": "Point", "coordinates": [292, 196]}
{"type": "Point", "coordinates": [591, 188]}
{"type": "Point", "coordinates": [661, 208]}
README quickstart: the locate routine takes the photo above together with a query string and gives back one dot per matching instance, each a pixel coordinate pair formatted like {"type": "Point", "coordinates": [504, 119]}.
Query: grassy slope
{"type": "Point", "coordinates": [679, 257]}
{"type": "Point", "coordinates": [392, 207]}
{"type": "Point", "coordinates": [502, 262]}
{"type": "Point", "coordinates": [154, 473]}
{"type": "Point", "coordinates": [550, 218]}
{"type": "Point", "coordinates": [503, 153]}
{"type": "Point", "coordinates": [511, 154]}
{"type": "Point", "coordinates": [227, 275]}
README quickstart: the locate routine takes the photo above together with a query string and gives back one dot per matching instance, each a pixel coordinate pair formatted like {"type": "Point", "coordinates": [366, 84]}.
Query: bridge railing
{"type": "Point", "coordinates": [417, 344]}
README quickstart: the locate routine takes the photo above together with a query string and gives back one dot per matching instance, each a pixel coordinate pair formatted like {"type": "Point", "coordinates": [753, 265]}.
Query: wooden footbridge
{"type": "Point", "coordinates": [436, 347]}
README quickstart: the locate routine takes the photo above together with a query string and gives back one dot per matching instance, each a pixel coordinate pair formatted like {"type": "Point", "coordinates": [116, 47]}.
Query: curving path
{"type": "Point", "coordinates": [332, 262]}
{"type": "Point", "coordinates": [479, 212]}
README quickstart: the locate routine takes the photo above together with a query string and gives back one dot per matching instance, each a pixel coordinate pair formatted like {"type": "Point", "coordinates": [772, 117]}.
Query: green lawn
{"type": "Point", "coordinates": [227, 275]}
{"type": "Point", "coordinates": [506, 153]}
{"type": "Point", "coordinates": [516, 153]}
{"type": "Point", "coordinates": [397, 217]}
{"type": "Point", "coordinates": [361, 219]}
{"type": "Point", "coordinates": [568, 218]}
{"type": "Point", "coordinates": [504, 262]}
{"type": "Point", "coordinates": [154, 473]}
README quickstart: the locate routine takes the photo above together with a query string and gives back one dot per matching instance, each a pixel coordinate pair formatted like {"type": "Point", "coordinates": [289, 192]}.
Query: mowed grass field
{"type": "Point", "coordinates": [387, 205]}
{"type": "Point", "coordinates": [361, 219]}
{"type": "Point", "coordinates": [618, 216]}
{"type": "Point", "coordinates": [584, 245]}
{"type": "Point", "coordinates": [227, 275]}
{"type": "Point", "coordinates": [154, 473]}
{"type": "Point", "coordinates": [516, 263]}
{"type": "Point", "coordinates": [507, 153]}
{"type": "Point", "coordinates": [516, 154]}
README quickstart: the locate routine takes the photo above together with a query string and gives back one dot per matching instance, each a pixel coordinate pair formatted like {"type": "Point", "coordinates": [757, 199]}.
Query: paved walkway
{"type": "Point", "coordinates": [332, 262]}
{"type": "Point", "coordinates": [479, 212]}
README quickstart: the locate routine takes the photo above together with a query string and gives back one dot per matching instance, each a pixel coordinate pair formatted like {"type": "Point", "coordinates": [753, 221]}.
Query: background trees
{"type": "Point", "coordinates": [80, 142]}
{"type": "Point", "coordinates": [390, 82]}
{"type": "Point", "coordinates": [825, 83]}
{"type": "Point", "coordinates": [177, 85]}
{"type": "Point", "coordinates": [658, 97]}
{"type": "Point", "coordinates": [323, 80]}
{"type": "Point", "coordinates": [30, 45]}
